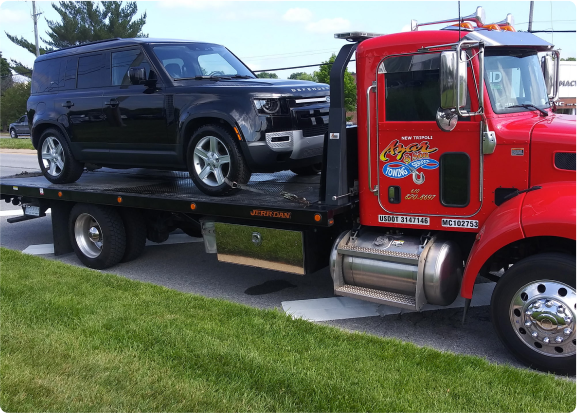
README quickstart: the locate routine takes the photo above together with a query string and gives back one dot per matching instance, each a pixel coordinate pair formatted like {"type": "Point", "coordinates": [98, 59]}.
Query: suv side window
{"type": "Point", "coordinates": [93, 71]}
{"type": "Point", "coordinates": [70, 73]}
{"type": "Point", "coordinates": [125, 59]}
{"type": "Point", "coordinates": [46, 76]}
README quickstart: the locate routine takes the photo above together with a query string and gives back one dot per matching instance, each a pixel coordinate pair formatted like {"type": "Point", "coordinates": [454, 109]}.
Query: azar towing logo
{"type": "Point", "coordinates": [270, 214]}
{"type": "Point", "coordinates": [409, 159]}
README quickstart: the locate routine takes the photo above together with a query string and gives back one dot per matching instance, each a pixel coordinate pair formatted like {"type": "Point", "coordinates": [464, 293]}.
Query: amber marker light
{"type": "Point", "coordinates": [193, 206]}
{"type": "Point", "coordinates": [331, 221]}
{"type": "Point", "coordinates": [60, 194]}
{"type": "Point", "coordinates": [318, 217]}
{"type": "Point", "coordinates": [237, 133]}
{"type": "Point", "coordinates": [119, 199]}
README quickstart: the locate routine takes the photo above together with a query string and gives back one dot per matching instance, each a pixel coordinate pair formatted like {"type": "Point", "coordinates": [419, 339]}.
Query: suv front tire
{"type": "Point", "coordinates": [212, 156]}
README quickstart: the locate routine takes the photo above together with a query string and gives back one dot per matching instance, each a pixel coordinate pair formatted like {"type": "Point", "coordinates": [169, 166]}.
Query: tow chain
{"type": "Point", "coordinates": [284, 194]}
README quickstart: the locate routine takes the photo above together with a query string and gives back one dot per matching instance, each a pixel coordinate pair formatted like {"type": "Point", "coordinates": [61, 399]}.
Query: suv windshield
{"type": "Point", "coordinates": [514, 78]}
{"type": "Point", "coordinates": [191, 60]}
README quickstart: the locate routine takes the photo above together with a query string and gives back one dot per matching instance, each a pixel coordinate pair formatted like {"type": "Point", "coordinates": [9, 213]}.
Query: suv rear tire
{"type": "Point", "coordinates": [212, 156]}
{"type": "Point", "coordinates": [56, 160]}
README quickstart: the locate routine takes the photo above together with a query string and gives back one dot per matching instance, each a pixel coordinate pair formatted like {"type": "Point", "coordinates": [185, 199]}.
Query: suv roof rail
{"type": "Point", "coordinates": [84, 44]}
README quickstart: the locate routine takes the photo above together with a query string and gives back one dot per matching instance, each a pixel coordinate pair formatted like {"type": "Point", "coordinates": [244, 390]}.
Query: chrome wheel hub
{"type": "Point", "coordinates": [52, 156]}
{"type": "Point", "coordinates": [543, 316]}
{"type": "Point", "coordinates": [211, 161]}
{"type": "Point", "coordinates": [88, 235]}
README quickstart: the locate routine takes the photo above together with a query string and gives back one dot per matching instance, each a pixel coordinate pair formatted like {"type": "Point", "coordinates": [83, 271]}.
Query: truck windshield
{"type": "Point", "coordinates": [514, 78]}
{"type": "Point", "coordinates": [198, 60]}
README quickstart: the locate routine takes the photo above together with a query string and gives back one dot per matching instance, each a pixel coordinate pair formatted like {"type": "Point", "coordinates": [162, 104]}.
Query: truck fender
{"type": "Point", "coordinates": [550, 211]}
{"type": "Point", "coordinates": [502, 228]}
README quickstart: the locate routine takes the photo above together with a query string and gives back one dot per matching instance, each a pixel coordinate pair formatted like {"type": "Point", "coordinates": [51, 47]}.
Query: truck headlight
{"type": "Point", "coordinates": [268, 106]}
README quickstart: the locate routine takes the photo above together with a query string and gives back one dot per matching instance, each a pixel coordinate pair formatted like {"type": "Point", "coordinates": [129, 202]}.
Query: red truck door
{"type": "Point", "coordinates": [422, 171]}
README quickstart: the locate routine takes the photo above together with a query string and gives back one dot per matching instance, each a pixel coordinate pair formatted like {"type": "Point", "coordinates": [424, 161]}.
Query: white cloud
{"type": "Point", "coordinates": [8, 16]}
{"type": "Point", "coordinates": [193, 4]}
{"type": "Point", "coordinates": [298, 15]}
{"type": "Point", "coordinates": [336, 25]}
{"type": "Point", "coordinates": [249, 15]}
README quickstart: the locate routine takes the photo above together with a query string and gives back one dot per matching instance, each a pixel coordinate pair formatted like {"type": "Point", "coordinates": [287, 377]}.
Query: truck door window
{"type": "Point", "coordinates": [412, 87]}
{"type": "Point", "coordinates": [455, 172]}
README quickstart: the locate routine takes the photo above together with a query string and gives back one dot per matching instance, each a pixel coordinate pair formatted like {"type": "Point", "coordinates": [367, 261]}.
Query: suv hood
{"type": "Point", "coordinates": [257, 86]}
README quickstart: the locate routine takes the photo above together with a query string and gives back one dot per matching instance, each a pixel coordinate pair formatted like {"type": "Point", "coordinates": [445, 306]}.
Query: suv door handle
{"type": "Point", "coordinates": [112, 103]}
{"type": "Point", "coordinates": [68, 104]}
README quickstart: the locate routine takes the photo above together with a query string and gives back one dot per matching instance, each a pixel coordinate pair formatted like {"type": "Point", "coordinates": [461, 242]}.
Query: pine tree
{"type": "Point", "coordinates": [82, 22]}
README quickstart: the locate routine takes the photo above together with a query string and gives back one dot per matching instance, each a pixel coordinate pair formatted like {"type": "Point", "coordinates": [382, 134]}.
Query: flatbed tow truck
{"type": "Point", "coordinates": [458, 168]}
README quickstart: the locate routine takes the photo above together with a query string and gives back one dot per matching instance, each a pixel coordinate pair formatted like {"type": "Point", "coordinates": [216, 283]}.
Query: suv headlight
{"type": "Point", "coordinates": [270, 106]}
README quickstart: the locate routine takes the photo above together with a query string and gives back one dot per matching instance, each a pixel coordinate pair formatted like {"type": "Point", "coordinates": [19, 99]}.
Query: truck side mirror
{"type": "Point", "coordinates": [137, 75]}
{"type": "Point", "coordinates": [453, 81]}
{"type": "Point", "coordinates": [548, 68]}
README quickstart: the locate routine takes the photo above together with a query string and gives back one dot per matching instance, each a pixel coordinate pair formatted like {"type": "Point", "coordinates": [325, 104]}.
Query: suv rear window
{"type": "Point", "coordinates": [93, 71]}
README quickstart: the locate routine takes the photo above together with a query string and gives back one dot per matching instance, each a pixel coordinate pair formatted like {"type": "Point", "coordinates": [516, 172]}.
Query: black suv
{"type": "Point", "coordinates": [20, 127]}
{"type": "Point", "coordinates": [171, 104]}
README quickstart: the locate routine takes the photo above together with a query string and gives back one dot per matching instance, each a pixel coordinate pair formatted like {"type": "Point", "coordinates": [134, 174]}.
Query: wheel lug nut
{"type": "Point", "coordinates": [558, 339]}
{"type": "Point", "coordinates": [528, 323]}
{"type": "Point", "coordinates": [534, 334]}
{"type": "Point", "coordinates": [567, 331]}
{"type": "Point", "coordinates": [537, 304]}
{"type": "Point", "coordinates": [546, 340]}
{"type": "Point", "coordinates": [529, 312]}
{"type": "Point", "coordinates": [549, 304]}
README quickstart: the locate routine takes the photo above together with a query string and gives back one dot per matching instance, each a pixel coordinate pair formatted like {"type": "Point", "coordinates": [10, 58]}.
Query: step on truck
{"type": "Point", "coordinates": [458, 168]}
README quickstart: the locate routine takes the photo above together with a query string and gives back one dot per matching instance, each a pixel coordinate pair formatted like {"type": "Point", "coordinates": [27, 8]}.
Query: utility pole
{"type": "Point", "coordinates": [35, 18]}
{"type": "Point", "coordinates": [530, 29]}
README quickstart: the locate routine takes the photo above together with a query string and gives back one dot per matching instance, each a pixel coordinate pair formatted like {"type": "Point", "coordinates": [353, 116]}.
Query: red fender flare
{"type": "Point", "coordinates": [549, 211]}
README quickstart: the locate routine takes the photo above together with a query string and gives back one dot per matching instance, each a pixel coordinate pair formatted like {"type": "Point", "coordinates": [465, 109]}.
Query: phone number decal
{"type": "Point", "coordinates": [460, 223]}
{"type": "Point", "coordinates": [400, 219]}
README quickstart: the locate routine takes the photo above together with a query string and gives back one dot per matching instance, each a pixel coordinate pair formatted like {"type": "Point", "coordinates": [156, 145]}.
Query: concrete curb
{"type": "Point", "coordinates": [20, 151]}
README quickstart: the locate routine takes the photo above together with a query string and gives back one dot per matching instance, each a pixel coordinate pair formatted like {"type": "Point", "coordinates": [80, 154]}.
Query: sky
{"type": "Point", "coordinates": [276, 34]}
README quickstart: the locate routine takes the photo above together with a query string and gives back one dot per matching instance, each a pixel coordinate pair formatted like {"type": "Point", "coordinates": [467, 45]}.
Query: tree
{"type": "Point", "coordinates": [569, 59]}
{"type": "Point", "coordinates": [6, 80]}
{"type": "Point", "coordinates": [302, 76]}
{"type": "Point", "coordinates": [82, 22]}
{"type": "Point", "coordinates": [13, 103]}
{"type": "Point", "coordinates": [323, 76]}
{"type": "Point", "coordinates": [266, 75]}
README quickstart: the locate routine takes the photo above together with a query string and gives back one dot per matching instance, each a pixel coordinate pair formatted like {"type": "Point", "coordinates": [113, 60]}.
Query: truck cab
{"type": "Point", "coordinates": [464, 170]}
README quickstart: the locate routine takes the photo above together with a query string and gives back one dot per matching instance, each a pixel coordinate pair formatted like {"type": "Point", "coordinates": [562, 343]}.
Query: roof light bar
{"type": "Point", "coordinates": [356, 36]}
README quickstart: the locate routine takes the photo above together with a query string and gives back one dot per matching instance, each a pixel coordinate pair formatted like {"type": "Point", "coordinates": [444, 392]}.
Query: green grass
{"type": "Point", "coordinates": [74, 339]}
{"type": "Point", "coordinates": [16, 144]}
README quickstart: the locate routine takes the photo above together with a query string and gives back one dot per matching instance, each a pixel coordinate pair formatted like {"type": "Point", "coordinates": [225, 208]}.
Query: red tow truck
{"type": "Point", "coordinates": [458, 168]}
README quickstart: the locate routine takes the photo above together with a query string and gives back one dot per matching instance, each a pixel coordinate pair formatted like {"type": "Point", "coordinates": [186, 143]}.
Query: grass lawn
{"type": "Point", "coordinates": [16, 144]}
{"type": "Point", "coordinates": [74, 339]}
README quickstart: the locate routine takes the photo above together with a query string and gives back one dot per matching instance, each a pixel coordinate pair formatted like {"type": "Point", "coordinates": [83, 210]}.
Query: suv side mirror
{"type": "Point", "coordinates": [137, 75]}
{"type": "Point", "coordinates": [453, 81]}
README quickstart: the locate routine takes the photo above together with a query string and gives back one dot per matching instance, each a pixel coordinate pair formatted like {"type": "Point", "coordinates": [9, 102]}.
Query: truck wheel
{"type": "Point", "coordinates": [533, 309]}
{"type": "Point", "coordinates": [97, 235]}
{"type": "Point", "coordinates": [13, 133]}
{"type": "Point", "coordinates": [56, 160]}
{"type": "Point", "coordinates": [308, 170]}
{"type": "Point", "coordinates": [212, 156]}
{"type": "Point", "coordinates": [135, 229]}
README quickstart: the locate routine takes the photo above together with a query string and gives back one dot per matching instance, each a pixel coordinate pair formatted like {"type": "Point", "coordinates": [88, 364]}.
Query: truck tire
{"type": "Point", "coordinates": [135, 229]}
{"type": "Point", "coordinates": [13, 133]}
{"type": "Point", "coordinates": [97, 235]}
{"type": "Point", "coordinates": [533, 309]}
{"type": "Point", "coordinates": [308, 170]}
{"type": "Point", "coordinates": [212, 156]}
{"type": "Point", "coordinates": [56, 160]}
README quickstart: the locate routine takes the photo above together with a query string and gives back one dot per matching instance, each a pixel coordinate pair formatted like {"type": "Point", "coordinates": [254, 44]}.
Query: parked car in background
{"type": "Point", "coordinates": [20, 127]}
{"type": "Point", "coordinates": [171, 104]}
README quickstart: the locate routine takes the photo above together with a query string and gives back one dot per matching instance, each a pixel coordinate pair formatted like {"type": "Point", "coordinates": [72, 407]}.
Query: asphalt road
{"type": "Point", "coordinates": [187, 268]}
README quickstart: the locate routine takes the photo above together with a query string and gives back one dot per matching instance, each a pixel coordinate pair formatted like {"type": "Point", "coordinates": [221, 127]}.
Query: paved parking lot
{"type": "Point", "coordinates": [186, 267]}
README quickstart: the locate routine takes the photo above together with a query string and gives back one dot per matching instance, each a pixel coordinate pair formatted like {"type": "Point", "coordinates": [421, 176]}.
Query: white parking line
{"type": "Point", "coordinates": [15, 212]}
{"type": "Point", "coordinates": [42, 249]}
{"type": "Point", "coordinates": [340, 308]}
